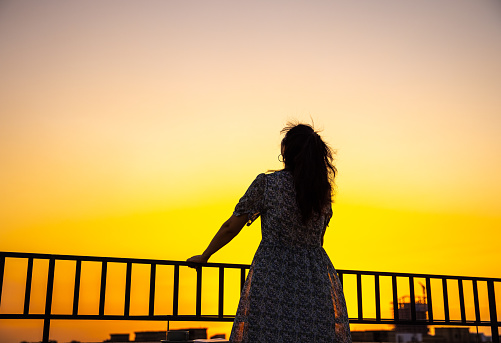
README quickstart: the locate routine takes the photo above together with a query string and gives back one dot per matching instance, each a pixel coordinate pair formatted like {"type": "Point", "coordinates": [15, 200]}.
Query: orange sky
{"type": "Point", "coordinates": [131, 129]}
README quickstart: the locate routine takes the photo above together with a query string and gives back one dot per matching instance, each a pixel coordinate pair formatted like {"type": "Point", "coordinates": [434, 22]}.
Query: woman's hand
{"type": "Point", "coordinates": [197, 259]}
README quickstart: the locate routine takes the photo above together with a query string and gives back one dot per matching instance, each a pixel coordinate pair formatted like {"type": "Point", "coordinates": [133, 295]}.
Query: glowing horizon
{"type": "Point", "coordinates": [142, 124]}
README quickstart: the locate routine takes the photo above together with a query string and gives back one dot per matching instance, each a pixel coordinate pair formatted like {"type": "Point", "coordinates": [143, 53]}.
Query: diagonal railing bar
{"type": "Point", "coordinates": [397, 318]}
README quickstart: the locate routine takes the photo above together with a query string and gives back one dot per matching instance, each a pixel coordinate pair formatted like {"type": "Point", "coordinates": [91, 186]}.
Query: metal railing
{"type": "Point", "coordinates": [398, 317]}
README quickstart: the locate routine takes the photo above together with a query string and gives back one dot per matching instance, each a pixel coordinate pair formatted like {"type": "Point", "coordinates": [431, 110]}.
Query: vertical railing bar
{"type": "Point", "coordinates": [429, 300]}
{"type": "Point", "coordinates": [48, 300]}
{"type": "Point", "coordinates": [76, 289]}
{"type": "Point", "coordinates": [461, 300]}
{"type": "Point", "coordinates": [495, 334]}
{"type": "Point", "coordinates": [395, 297]}
{"type": "Point", "coordinates": [221, 293]}
{"type": "Point", "coordinates": [378, 297]}
{"type": "Point", "coordinates": [175, 300]}
{"type": "Point", "coordinates": [242, 278]}
{"type": "Point", "coordinates": [128, 281]}
{"type": "Point", "coordinates": [446, 300]}
{"type": "Point", "coordinates": [492, 311]}
{"type": "Point", "coordinates": [102, 294]}
{"type": "Point", "coordinates": [199, 292]}
{"type": "Point", "coordinates": [475, 300]}
{"type": "Point", "coordinates": [153, 272]}
{"type": "Point", "coordinates": [412, 298]}
{"type": "Point", "coordinates": [2, 268]}
{"type": "Point", "coordinates": [359, 296]}
{"type": "Point", "coordinates": [27, 290]}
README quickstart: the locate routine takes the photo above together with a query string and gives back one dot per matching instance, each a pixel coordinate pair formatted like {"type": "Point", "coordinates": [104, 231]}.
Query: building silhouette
{"type": "Point", "coordinates": [157, 336]}
{"type": "Point", "coordinates": [411, 333]}
{"type": "Point", "coordinates": [119, 337]}
{"type": "Point", "coordinates": [405, 333]}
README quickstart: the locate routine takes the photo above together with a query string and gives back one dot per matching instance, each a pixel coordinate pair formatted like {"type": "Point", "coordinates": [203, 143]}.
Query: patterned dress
{"type": "Point", "coordinates": [292, 293]}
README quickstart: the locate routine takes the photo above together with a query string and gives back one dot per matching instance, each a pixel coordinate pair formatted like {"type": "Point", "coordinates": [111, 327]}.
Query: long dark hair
{"type": "Point", "coordinates": [310, 160]}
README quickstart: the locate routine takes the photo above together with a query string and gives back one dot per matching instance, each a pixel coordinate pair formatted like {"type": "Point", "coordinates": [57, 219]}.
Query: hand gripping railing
{"type": "Point", "coordinates": [410, 315]}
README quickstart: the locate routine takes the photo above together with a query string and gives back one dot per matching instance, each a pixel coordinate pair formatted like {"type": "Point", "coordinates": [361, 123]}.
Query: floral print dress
{"type": "Point", "coordinates": [292, 292]}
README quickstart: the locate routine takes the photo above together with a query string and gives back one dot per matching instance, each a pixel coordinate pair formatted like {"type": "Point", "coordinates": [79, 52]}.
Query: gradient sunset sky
{"type": "Point", "coordinates": [132, 128]}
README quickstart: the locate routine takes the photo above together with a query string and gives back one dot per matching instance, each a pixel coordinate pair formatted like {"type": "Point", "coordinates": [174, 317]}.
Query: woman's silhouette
{"type": "Point", "coordinates": [292, 292]}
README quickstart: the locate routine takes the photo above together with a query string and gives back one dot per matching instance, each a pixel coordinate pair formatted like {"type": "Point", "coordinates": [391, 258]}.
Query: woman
{"type": "Point", "coordinates": [292, 292]}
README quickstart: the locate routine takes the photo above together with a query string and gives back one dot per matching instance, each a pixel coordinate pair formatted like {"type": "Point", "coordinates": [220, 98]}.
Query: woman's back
{"type": "Point", "coordinates": [274, 197]}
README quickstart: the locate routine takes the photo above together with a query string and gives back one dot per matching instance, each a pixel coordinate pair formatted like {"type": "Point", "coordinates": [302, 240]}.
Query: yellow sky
{"type": "Point", "coordinates": [131, 129]}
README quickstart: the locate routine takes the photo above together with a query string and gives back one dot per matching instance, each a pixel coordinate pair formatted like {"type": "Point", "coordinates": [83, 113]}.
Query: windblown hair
{"type": "Point", "coordinates": [310, 160]}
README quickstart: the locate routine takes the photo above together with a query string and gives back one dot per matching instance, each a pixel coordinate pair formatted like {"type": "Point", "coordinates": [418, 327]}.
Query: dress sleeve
{"type": "Point", "coordinates": [252, 202]}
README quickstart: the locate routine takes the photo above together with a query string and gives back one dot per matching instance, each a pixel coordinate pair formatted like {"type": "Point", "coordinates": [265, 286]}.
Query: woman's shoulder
{"type": "Point", "coordinates": [277, 174]}
{"type": "Point", "coordinates": [272, 177]}
{"type": "Point", "coordinates": [278, 178]}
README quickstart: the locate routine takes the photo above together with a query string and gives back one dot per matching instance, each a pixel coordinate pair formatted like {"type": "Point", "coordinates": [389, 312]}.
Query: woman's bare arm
{"type": "Point", "coordinates": [226, 233]}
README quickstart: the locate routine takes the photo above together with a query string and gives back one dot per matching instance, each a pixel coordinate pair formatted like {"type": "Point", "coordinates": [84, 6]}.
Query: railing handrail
{"type": "Point", "coordinates": [229, 265]}
{"type": "Point", "coordinates": [114, 259]}
{"type": "Point", "coordinates": [47, 316]}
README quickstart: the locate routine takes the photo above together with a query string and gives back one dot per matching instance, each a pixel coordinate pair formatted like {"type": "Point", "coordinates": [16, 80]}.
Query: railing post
{"type": "Point", "coordinates": [2, 267]}
{"type": "Point", "coordinates": [48, 300]}
{"type": "Point", "coordinates": [412, 298]}
{"type": "Point", "coordinates": [476, 302]}
{"type": "Point", "coordinates": [27, 289]}
{"type": "Point", "coordinates": [492, 311]}
{"type": "Point", "coordinates": [175, 297]}
{"type": "Point", "coordinates": [102, 294]}
{"type": "Point", "coordinates": [446, 300]}
{"type": "Point", "coordinates": [199, 292]}
{"type": "Point", "coordinates": [395, 297]}
{"type": "Point", "coordinates": [221, 293]}
{"type": "Point", "coordinates": [359, 297]}
{"type": "Point", "coordinates": [76, 290]}
{"type": "Point", "coordinates": [153, 273]}
{"type": "Point", "coordinates": [461, 301]}
{"type": "Point", "coordinates": [128, 279]}
{"type": "Point", "coordinates": [429, 300]}
{"type": "Point", "coordinates": [242, 278]}
{"type": "Point", "coordinates": [378, 297]}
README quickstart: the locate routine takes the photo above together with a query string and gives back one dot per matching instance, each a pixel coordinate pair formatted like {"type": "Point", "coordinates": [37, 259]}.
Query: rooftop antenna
{"type": "Point", "coordinates": [424, 291]}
